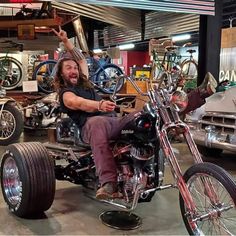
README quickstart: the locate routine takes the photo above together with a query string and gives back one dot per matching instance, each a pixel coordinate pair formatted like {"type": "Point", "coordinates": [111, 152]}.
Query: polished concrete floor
{"type": "Point", "coordinates": [73, 213]}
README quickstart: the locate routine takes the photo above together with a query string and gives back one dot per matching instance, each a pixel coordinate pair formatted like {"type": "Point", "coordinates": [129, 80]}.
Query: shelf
{"type": "Point", "coordinates": [36, 22]}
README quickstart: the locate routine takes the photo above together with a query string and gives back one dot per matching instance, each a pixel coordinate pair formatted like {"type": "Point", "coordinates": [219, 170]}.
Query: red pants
{"type": "Point", "coordinates": [195, 99]}
{"type": "Point", "coordinates": [98, 131]}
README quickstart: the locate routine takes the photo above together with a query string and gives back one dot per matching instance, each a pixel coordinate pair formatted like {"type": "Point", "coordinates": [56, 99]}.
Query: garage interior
{"type": "Point", "coordinates": [94, 24]}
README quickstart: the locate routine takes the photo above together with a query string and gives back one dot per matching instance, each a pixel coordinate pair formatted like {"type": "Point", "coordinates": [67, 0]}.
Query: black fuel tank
{"type": "Point", "coordinates": [142, 127]}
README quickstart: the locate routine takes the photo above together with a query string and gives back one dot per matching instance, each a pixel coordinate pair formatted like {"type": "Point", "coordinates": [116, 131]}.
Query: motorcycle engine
{"type": "Point", "coordinates": [41, 107]}
{"type": "Point", "coordinates": [135, 167]}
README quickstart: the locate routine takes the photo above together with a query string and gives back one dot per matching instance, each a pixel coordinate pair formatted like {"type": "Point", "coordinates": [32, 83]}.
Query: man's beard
{"type": "Point", "coordinates": [81, 82]}
{"type": "Point", "coordinates": [70, 84]}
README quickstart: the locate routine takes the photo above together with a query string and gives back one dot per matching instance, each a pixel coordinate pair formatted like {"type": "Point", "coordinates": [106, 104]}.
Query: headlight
{"type": "Point", "coordinates": [179, 100]}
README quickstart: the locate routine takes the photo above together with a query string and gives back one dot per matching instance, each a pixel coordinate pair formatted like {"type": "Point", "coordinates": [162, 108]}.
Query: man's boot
{"type": "Point", "coordinates": [208, 86]}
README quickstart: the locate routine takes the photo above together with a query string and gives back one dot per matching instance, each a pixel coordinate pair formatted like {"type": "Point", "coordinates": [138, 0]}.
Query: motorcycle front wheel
{"type": "Point", "coordinates": [11, 124]}
{"type": "Point", "coordinates": [215, 212]}
{"type": "Point", "coordinates": [44, 73]}
{"type": "Point", "coordinates": [106, 79]}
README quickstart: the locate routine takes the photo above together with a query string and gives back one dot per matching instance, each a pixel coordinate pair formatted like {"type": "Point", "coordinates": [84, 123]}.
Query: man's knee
{"type": "Point", "coordinates": [97, 121]}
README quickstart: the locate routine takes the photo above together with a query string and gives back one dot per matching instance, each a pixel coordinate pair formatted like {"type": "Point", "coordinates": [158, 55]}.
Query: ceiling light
{"type": "Point", "coordinates": [97, 50]}
{"type": "Point", "coordinates": [181, 37]}
{"type": "Point", "coordinates": [126, 46]}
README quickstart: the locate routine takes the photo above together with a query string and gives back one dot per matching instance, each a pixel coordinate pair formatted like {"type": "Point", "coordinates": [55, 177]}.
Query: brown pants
{"type": "Point", "coordinates": [99, 130]}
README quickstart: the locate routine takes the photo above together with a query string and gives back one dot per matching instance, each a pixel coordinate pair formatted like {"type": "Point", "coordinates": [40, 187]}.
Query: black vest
{"type": "Point", "coordinates": [79, 116]}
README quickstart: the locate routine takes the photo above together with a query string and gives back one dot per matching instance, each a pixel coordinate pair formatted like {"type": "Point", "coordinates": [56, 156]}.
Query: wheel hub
{"type": "Point", "coordinates": [11, 181]}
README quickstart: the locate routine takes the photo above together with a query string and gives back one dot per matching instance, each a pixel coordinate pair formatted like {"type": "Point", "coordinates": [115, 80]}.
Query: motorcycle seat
{"type": "Point", "coordinates": [68, 133]}
{"type": "Point", "coordinates": [33, 97]}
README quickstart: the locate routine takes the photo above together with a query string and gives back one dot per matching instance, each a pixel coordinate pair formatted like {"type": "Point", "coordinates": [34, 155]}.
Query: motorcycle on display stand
{"type": "Point", "coordinates": [11, 119]}
{"type": "Point", "coordinates": [207, 193]}
{"type": "Point", "coordinates": [42, 112]}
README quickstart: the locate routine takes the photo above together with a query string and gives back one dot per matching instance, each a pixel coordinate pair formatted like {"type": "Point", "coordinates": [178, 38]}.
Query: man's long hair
{"type": "Point", "coordinates": [83, 81]}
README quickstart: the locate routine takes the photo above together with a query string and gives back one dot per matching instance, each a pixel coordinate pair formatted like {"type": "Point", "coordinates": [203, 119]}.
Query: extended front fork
{"type": "Point", "coordinates": [175, 168]}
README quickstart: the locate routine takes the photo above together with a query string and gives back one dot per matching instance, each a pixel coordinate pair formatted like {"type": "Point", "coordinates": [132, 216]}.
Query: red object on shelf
{"type": "Point", "coordinates": [130, 58]}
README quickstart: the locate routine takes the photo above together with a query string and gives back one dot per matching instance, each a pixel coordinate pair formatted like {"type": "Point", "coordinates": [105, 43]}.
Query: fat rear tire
{"type": "Point", "coordinates": [27, 179]}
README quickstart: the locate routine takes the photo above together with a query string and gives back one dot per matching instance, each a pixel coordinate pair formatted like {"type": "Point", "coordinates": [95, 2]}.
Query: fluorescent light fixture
{"type": "Point", "coordinates": [181, 37]}
{"type": "Point", "coordinates": [126, 46]}
{"type": "Point", "coordinates": [98, 50]}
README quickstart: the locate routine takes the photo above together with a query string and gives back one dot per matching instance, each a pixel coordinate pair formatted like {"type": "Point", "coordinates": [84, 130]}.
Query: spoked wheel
{"type": "Point", "coordinates": [27, 179]}
{"type": "Point", "coordinates": [189, 71]}
{"type": "Point", "coordinates": [11, 124]}
{"type": "Point", "coordinates": [107, 77]}
{"type": "Point", "coordinates": [214, 194]}
{"type": "Point", "coordinates": [44, 74]}
{"type": "Point", "coordinates": [10, 72]}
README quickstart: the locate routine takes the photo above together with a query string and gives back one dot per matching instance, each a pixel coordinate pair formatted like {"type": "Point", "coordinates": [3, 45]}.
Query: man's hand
{"type": "Point", "coordinates": [108, 106]}
{"type": "Point", "coordinates": [61, 34]}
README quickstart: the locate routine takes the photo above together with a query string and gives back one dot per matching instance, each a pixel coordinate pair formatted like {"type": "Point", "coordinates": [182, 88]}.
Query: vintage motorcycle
{"type": "Point", "coordinates": [42, 112]}
{"type": "Point", "coordinates": [207, 192]}
{"type": "Point", "coordinates": [11, 119]}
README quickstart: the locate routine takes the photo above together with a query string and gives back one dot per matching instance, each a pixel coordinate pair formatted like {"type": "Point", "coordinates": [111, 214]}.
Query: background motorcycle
{"type": "Point", "coordinates": [207, 192]}
{"type": "Point", "coordinates": [42, 113]}
{"type": "Point", "coordinates": [11, 119]}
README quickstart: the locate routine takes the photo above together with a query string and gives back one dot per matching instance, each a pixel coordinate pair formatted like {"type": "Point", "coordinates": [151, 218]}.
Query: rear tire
{"type": "Point", "coordinates": [27, 179]}
{"type": "Point", "coordinates": [212, 216]}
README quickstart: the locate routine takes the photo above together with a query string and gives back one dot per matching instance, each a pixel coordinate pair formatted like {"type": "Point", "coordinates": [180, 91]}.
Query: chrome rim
{"type": "Point", "coordinates": [7, 125]}
{"type": "Point", "coordinates": [12, 185]}
{"type": "Point", "coordinates": [211, 218]}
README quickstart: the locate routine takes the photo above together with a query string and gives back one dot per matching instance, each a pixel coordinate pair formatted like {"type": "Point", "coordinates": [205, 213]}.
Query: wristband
{"type": "Point", "coordinates": [100, 105]}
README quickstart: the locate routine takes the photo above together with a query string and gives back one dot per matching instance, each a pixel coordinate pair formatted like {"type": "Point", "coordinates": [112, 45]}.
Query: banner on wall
{"type": "Point", "coordinates": [227, 64]}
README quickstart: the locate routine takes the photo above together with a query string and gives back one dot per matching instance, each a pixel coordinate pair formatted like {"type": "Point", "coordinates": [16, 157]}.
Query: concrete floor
{"type": "Point", "coordinates": [73, 213]}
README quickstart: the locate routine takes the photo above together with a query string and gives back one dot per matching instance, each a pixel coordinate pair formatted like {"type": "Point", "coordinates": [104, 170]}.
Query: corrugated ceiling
{"type": "Point", "coordinates": [160, 24]}
{"type": "Point", "coordinates": [157, 25]}
{"type": "Point", "coordinates": [126, 22]}
{"type": "Point", "coordinates": [122, 17]}
{"type": "Point", "coordinates": [203, 7]}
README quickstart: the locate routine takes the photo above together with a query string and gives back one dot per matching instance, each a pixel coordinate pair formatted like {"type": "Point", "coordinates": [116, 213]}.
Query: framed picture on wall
{"type": "Point", "coordinates": [25, 32]}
